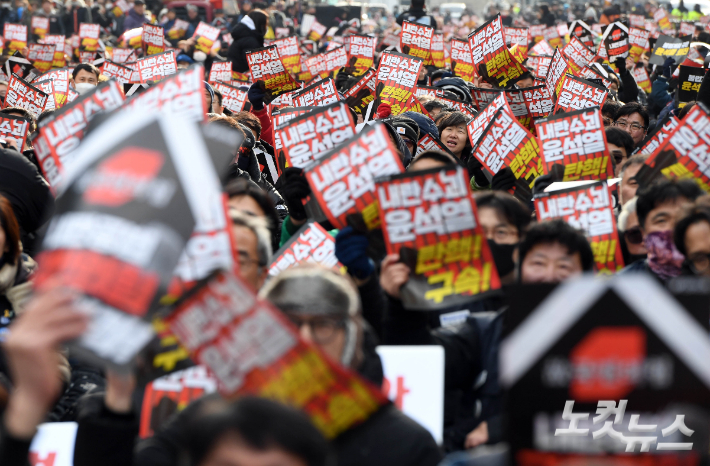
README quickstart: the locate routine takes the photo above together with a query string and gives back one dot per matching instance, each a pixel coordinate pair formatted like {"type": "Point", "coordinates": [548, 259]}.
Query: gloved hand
{"type": "Point", "coordinates": [503, 180]}
{"type": "Point", "coordinates": [667, 70]}
{"type": "Point", "coordinates": [621, 66]}
{"type": "Point", "coordinates": [256, 95]}
{"type": "Point", "coordinates": [294, 187]}
{"type": "Point", "coordinates": [351, 251]}
{"type": "Point", "coordinates": [475, 170]}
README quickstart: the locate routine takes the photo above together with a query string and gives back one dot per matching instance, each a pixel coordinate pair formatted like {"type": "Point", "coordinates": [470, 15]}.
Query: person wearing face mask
{"type": "Point", "coordinates": [84, 78]}
{"type": "Point", "coordinates": [630, 234]}
{"type": "Point", "coordinates": [659, 206]}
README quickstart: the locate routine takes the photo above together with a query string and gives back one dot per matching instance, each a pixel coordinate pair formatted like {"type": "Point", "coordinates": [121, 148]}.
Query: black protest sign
{"type": "Point", "coordinates": [689, 80]}
{"type": "Point", "coordinates": [667, 46]}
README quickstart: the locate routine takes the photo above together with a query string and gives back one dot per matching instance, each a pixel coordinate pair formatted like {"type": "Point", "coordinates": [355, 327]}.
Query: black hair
{"type": "Point", "coordinates": [630, 109]}
{"type": "Point", "coordinates": [560, 232]}
{"type": "Point", "coordinates": [697, 214]}
{"type": "Point", "coordinates": [661, 191]}
{"type": "Point", "coordinates": [245, 187]}
{"type": "Point", "coordinates": [686, 109]}
{"type": "Point", "coordinates": [260, 19]}
{"type": "Point", "coordinates": [218, 95]}
{"type": "Point", "coordinates": [452, 119]}
{"type": "Point", "coordinates": [24, 114]}
{"type": "Point", "coordinates": [620, 138]}
{"type": "Point", "coordinates": [610, 108]}
{"type": "Point", "coordinates": [85, 67]}
{"type": "Point", "coordinates": [44, 115]}
{"type": "Point", "coordinates": [262, 425]}
{"type": "Point", "coordinates": [508, 207]}
{"type": "Point", "coordinates": [432, 104]}
{"type": "Point", "coordinates": [437, 155]}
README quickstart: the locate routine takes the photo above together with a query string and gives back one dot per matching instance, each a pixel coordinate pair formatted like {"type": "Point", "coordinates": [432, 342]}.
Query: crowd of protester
{"type": "Point", "coordinates": [664, 230]}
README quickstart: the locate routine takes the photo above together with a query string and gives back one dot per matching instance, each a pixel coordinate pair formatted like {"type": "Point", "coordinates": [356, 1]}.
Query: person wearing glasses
{"type": "Point", "coordinates": [692, 238]}
{"type": "Point", "coordinates": [620, 147]}
{"type": "Point", "coordinates": [633, 118]}
{"type": "Point", "coordinates": [630, 233]}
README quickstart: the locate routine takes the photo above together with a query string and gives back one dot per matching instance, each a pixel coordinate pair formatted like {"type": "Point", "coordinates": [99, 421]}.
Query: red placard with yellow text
{"type": "Point", "coordinates": [491, 57]}
{"type": "Point", "coordinates": [415, 40]}
{"type": "Point", "coordinates": [461, 60]}
{"type": "Point", "coordinates": [290, 53]}
{"type": "Point", "coordinates": [361, 53]}
{"type": "Point", "coordinates": [265, 65]}
{"type": "Point", "coordinates": [396, 78]}
{"type": "Point", "coordinates": [153, 39]}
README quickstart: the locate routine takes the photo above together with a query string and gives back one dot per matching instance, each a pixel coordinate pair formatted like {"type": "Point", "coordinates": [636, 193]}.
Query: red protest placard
{"type": "Point", "coordinates": [334, 60]}
{"type": "Point", "coordinates": [642, 79]}
{"type": "Point", "coordinates": [59, 43]}
{"type": "Point", "coordinates": [251, 348]}
{"type": "Point", "coordinates": [60, 135]}
{"type": "Point", "coordinates": [577, 53]}
{"type": "Point", "coordinates": [588, 208]}
{"type": "Point", "coordinates": [583, 32]}
{"type": "Point", "coordinates": [178, 30]}
{"type": "Point", "coordinates": [307, 137]}
{"type": "Point", "coordinates": [316, 32]}
{"type": "Point", "coordinates": [120, 73]}
{"type": "Point", "coordinates": [41, 56]}
{"type": "Point", "coordinates": [616, 41]}
{"type": "Point", "coordinates": [461, 60]}
{"type": "Point", "coordinates": [430, 219]}
{"type": "Point", "coordinates": [537, 32]}
{"type": "Point", "coordinates": [60, 78]}
{"type": "Point", "coordinates": [361, 53]}
{"type": "Point", "coordinates": [362, 93]}
{"type": "Point", "coordinates": [318, 94]}
{"type": "Point", "coordinates": [265, 65]}
{"type": "Point", "coordinates": [89, 36]}
{"type": "Point", "coordinates": [491, 57]}
{"type": "Point", "coordinates": [181, 94]}
{"type": "Point", "coordinates": [205, 37]}
{"type": "Point", "coordinates": [660, 17]}
{"type": "Point", "coordinates": [590, 72]}
{"type": "Point", "coordinates": [310, 244]}
{"type": "Point", "coordinates": [506, 142]}
{"type": "Point", "coordinates": [686, 29]}
{"type": "Point", "coordinates": [636, 21]}
{"type": "Point", "coordinates": [40, 25]}
{"type": "Point", "coordinates": [15, 36]}
{"type": "Point", "coordinates": [519, 36]}
{"type": "Point", "coordinates": [415, 40]}
{"type": "Point", "coordinates": [290, 53]}
{"type": "Point", "coordinates": [396, 77]}
{"type": "Point", "coordinates": [638, 43]}
{"type": "Point", "coordinates": [552, 36]}
{"type": "Point", "coordinates": [279, 120]}
{"type": "Point", "coordinates": [684, 152]}
{"type": "Point", "coordinates": [479, 123]}
{"type": "Point", "coordinates": [233, 99]}
{"type": "Point", "coordinates": [658, 136]}
{"type": "Point", "coordinates": [24, 95]}
{"type": "Point", "coordinates": [538, 101]}
{"type": "Point", "coordinates": [156, 67]}
{"type": "Point", "coordinates": [153, 39]}
{"type": "Point", "coordinates": [540, 65]}
{"type": "Point", "coordinates": [559, 67]}
{"type": "Point", "coordinates": [429, 143]}
{"type": "Point", "coordinates": [577, 94]}
{"type": "Point", "coordinates": [48, 88]}
{"type": "Point", "coordinates": [576, 143]}
{"type": "Point", "coordinates": [15, 128]}
{"type": "Point", "coordinates": [220, 71]}
{"type": "Point", "coordinates": [437, 51]}
{"type": "Point", "coordinates": [342, 180]}
{"type": "Point", "coordinates": [541, 48]}
{"type": "Point", "coordinates": [120, 55]}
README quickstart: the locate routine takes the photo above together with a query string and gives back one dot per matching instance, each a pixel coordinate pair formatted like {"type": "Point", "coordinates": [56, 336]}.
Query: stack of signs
{"type": "Point", "coordinates": [205, 37]}
{"type": "Point", "coordinates": [539, 101]}
{"type": "Point", "coordinates": [574, 144]}
{"type": "Point", "coordinates": [307, 137]}
{"type": "Point", "coordinates": [265, 65]}
{"type": "Point", "coordinates": [397, 75]}
{"type": "Point", "coordinates": [577, 94]}
{"type": "Point", "coordinates": [182, 95]}
{"type": "Point", "coordinates": [588, 208]}
{"type": "Point", "coordinates": [583, 32]}
{"type": "Point", "coordinates": [89, 36]}
{"type": "Point", "coordinates": [233, 99]}
{"type": "Point", "coordinates": [156, 67]}
{"type": "Point", "coordinates": [607, 370]}
{"type": "Point", "coordinates": [310, 244]}
{"type": "Point", "coordinates": [559, 68]}
{"type": "Point", "coordinates": [41, 56]}
{"type": "Point", "coordinates": [507, 143]}
{"type": "Point", "coordinates": [318, 94]}
{"type": "Point", "coordinates": [289, 52]}
{"type": "Point", "coordinates": [689, 80]}
{"type": "Point", "coordinates": [15, 128]}
{"type": "Point", "coordinates": [251, 348]}
{"type": "Point", "coordinates": [361, 53]}
{"type": "Point", "coordinates": [60, 78]}
{"type": "Point", "coordinates": [659, 134]}
{"type": "Point", "coordinates": [15, 36]}
{"type": "Point", "coordinates": [642, 79]}
{"type": "Point", "coordinates": [683, 154]}
{"type": "Point", "coordinates": [178, 30]}
{"type": "Point", "coordinates": [429, 219]}
{"type": "Point", "coordinates": [638, 43]}
{"type": "Point", "coordinates": [461, 60]}
{"type": "Point", "coordinates": [616, 41]}
{"type": "Point", "coordinates": [519, 37]}
{"type": "Point", "coordinates": [342, 180]}
{"type": "Point", "coordinates": [359, 96]}
{"type": "Point", "coordinates": [577, 54]}
{"type": "Point", "coordinates": [24, 95]}
{"type": "Point", "coordinates": [153, 39]}
{"type": "Point", "coordinates": [491, 58]}
{"type": "Point", "coordinates": [220, 71]}
{"type": "Point", "coordinates": [59, 43]}
{"type": "Point", "coordinates": [60, 135]}
{"type": "Point", "coordinates": [118, 72]}
{"type": "Point", "coordinates": [39, 25]}
{"type": "Point", "coordinates": [667, 46]}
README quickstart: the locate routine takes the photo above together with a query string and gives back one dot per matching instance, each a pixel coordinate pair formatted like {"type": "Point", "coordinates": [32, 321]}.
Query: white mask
{"type": "Point", "coordinates": [199, 56]}
{"type": "Point", "coordinates": [83, 88]}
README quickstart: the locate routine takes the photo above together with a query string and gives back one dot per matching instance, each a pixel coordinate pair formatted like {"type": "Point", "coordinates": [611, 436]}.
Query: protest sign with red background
{"type": "Point", "coordinates": [39, 25]}
{"type": "Point", "coordinates": [318, 94]}
{"type": "Point", "coordinates": [552, 36]}
{"type": "Point", "coordinates": [577, 54]}
{"type": "Point", "coordinates": [61, 84]}
{"type": "Point", "coordinates": [317, 31]}
{"type": "Point", "coordinates": [658, 135]}
{"type": "Point", "coordinates": [289, 53]}
{"type": "Point", "coordinates": [47, 87]}
{"type": "Point", "coordinates": [156, 67]}
{"type": "Point", "coordinates": [491, 57]}
{"type": "Point", "coordinates": [220, 71]}
{"type": "Point", "coordinates": [24, 95]}
{"type": "Point", "coordinates": [616, 41]}
{"type": "Point", "coordinates": [577, 94]}
{"type": "Point", "coordinates": [437, 51]}
{"type": "Point", "coordinates": [541, 48]}
{"type": "Point", "coordinates": [361, 53]}
{"type": "Point", "coordinates": [205, 36]}
{"type": "Point", "coordinates": [415, 40]}
{"type": "Point", "coordinates": [233, 99]}
{"type": "Point", "coordinates": [576, 143]}
{"type": "Point", "coordinates": [15, 36]}
{"type": "Point", "coordinates": [479, 123]}
{"type": "Point", "coordinates": [310, 244]}
{"type": "Point", "coordinates": [59, 43]}
{"type": "Point", "coordinates": [588, 208]}
{"type": "Point", "coordinates": [540, 65]}
{"type": "Point", "coordinates": [461, 60]}
{"type": "Point", "coordinates": [429, 143]}
{"type": "Point", "coordinates": [660, 17]}
{"type": "Point", "coordinates": [265, 65]}
{"type": "Point", "coordinates": [540, 103]}
{"type": "Point", "coordinates": [15, 128]}
{"type": "Point", "coordinates": [342, 180]}
{"type": "Point", "coordinates": [430, 219]}
{"type": "Point", "coordinates": [153, 39]}
{"type": "Point", "coordinates": [41, 56]}
{"type": "Point", "coordinates": [638, 43]}
{"type": "Point", "coordinates": [362, 93]}
{"type": "Point", "coordinates": [178, 30]}
{"type": "Point", "coordinates": [519, 36]}
{"type": "Point", "coordinates": [581, 30]}
{"type": "Point", "coordinates": [397, 76]}
{"type": "Point", "coordinates": [120, 73]}
{"type": "Point", "coordinates": [559, 67]}
{"type": "Point", "coordinates": [89, 36]}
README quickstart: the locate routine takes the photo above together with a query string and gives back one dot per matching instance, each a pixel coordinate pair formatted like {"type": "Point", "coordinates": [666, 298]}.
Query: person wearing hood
{"type": "Point", "coordinates": [248, 35]}
{"type": "Point", "coordinates": [84, 78]}
{"type": "Point", "coordinates": [135, 17]}
{"type": "Point", "coordinates": [658, 207]}
{"type": "Point", "coordinates": [417, 14]}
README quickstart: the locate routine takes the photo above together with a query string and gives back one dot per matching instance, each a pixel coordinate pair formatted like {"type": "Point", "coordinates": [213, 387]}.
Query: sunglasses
{"type": "Point", "coordinates": [634, 235]}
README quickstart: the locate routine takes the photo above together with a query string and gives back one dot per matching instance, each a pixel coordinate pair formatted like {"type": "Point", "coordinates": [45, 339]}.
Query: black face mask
{"type": "Point", "coordinates": [503, 257]}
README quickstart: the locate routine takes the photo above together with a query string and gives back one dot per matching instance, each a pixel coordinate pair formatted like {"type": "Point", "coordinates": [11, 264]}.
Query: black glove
{"type": "Point", "coordinates": [667, 70]}
{"type": "Point", "coordinates": [621, 66]}
{"type": "Point", "coordinates": [293, 187]}
{"type": "Point", "coordinates": [475, 171]}
{"type": "Point", "coordinates": [503, 180]}
{"type": "Point", "coordinates": [256, 95]}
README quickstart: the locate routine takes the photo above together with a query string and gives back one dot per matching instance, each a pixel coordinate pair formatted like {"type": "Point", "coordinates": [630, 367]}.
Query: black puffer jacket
{"type": "Point", "coordinates": [245, 39]}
